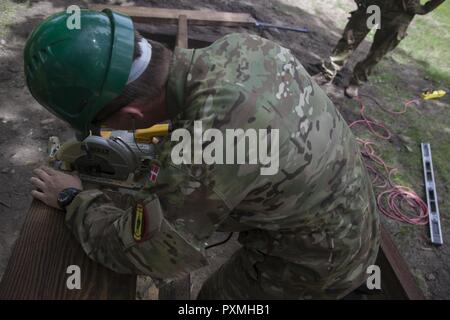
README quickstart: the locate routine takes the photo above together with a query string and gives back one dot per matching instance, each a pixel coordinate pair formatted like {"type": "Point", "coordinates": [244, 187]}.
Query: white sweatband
{"type": "Point", "coordinates": [140, 64]}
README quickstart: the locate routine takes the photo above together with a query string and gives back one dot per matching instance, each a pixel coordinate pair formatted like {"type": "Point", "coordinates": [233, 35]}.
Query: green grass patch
{"type": "Point", "coordinates": [8, 10]}
{"type": "Point", "coordinates": [428, 43]}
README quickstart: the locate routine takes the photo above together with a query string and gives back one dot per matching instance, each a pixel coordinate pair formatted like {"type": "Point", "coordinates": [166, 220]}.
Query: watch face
{"type": "Point", "coordinates": [66, 196]}
{"type": "Point", "coordinates": [63, 196]}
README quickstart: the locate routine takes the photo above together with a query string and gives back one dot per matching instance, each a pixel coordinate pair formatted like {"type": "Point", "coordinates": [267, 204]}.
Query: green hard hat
{"type": "Point", "coordinates": [73, 72]}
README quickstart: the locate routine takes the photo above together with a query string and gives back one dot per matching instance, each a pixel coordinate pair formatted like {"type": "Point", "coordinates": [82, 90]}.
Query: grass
{"type": "Point", "coordinates": [429, 43]}
{"type": "Point", "coordinates": [416, 125]}
{"type": "Point", "coordinates": [8, 10]}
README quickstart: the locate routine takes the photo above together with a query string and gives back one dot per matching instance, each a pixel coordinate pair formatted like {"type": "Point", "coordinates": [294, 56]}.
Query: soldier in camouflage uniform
{"type": "Point", "coordinates": [396, 15]}
{"type": "Point", "coordinates": [308, 232]}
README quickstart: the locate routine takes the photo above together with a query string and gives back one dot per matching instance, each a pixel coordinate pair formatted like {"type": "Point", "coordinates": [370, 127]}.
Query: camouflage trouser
{"type": "Point", "coordinates": [393, 29]}
{"type": "Point", "coordinates": [253, 274]}
{"type": "Point", "coordinates": [242, 278]}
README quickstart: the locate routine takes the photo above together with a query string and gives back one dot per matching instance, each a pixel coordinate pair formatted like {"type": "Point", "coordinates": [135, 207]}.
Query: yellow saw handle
{"type": "Point", "coordinates": [144, 135]}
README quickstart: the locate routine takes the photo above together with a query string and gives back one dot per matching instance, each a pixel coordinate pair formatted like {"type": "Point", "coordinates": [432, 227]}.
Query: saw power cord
{"type": "Point", "coordinates": [396, 202]}
{"type": "Point", "coordinates": [220, 242]}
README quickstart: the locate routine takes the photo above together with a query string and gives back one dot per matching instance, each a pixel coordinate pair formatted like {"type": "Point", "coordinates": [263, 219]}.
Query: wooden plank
{"type": "Point", "coordinates": [397, 280]}
{"type": "Point", "coordinates": [182, 35]}
{"type": "Point", "coordinates": [167, 34]}
{"type": "Point", "coordinates": [195, 17]}
{"type": "Point", "coordinates": [176, 290]}
{"type": "Point", "coordinates": [38, 264]}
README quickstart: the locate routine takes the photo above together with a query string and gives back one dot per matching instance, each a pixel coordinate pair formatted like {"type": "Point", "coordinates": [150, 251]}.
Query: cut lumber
{"type": "Point", "coordinates": [37, 268]}
{"type": "Point", "coordinates": [397, 281]}
{"type": "Point", "coordinates": [195, 17]}
{"type": "Point", "coordinates": [167, 34]}
{"type": "Point", "coordinates": [182, 36]}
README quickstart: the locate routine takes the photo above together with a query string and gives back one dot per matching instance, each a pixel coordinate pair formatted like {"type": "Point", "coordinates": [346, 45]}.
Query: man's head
{"type": "Point", "coordinates": [102, 73]}
{"type": "Point", "coordinates": [142, 102]}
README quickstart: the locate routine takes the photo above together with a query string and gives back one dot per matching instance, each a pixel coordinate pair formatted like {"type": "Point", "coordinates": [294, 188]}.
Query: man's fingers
{"type": "Point", "coordinates": [48, 170]}
{"type": "Point", "coordinates": [38, 195]}
{"type": "Point", "coordinates": [38, 183]}
{"type": "Point", "coordinates": [41, 174]}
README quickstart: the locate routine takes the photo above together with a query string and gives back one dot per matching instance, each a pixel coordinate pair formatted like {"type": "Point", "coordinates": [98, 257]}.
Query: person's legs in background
{"type": "Point", "coordinates": [354, 33]}
{"type": "Point", "coordinates": [392, 31]}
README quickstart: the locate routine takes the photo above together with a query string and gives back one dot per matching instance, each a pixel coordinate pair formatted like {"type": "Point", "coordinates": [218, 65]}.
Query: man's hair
{"type": "Point", "coordinates": [150, 83]}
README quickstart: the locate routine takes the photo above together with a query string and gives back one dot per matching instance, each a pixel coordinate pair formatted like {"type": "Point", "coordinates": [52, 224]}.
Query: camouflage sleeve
{"type": "Point", "coordinates": [137, 239]}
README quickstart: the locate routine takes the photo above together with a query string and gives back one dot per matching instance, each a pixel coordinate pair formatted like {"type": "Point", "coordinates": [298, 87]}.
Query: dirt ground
{"type": "Point", "coordinates": [25, 126]}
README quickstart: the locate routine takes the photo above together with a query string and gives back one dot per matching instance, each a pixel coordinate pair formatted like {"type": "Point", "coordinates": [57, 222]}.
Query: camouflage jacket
{"type": "Point", "coordinates": [318, 210]}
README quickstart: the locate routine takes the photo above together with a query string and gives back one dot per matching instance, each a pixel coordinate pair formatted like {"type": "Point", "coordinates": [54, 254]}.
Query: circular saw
{"type": "Point", "coordinates": [116, 158]}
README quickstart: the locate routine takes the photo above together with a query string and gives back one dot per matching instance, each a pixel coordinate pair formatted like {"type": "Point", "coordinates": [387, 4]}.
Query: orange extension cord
{"type": "Point", "coordinates": [392, 198]}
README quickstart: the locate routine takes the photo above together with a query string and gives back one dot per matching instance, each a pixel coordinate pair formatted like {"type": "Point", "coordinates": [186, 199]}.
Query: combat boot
{"type": "Point", "coordinates": [352, 91]}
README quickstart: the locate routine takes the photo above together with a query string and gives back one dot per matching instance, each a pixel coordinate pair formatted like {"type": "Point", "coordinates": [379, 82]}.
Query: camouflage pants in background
{"type": "Point", "coordinates": [394, 24]}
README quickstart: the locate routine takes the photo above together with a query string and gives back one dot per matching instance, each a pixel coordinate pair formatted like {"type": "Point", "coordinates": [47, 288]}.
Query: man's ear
{"type": "Point", "coordinates": [133, 110]}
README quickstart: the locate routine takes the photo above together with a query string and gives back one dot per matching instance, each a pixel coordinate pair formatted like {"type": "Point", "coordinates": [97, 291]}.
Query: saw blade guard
{"type": "Point", "coordinates": [99, 157]}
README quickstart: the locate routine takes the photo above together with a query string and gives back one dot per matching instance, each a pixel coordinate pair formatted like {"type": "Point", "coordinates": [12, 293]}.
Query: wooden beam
{"type": "Point", "coordinates": [182, 35]}
{"type": "Point", "coordinates": [167, 34]}
{"type": "Point", "coordinates": [195, 17]}
{"type": "Point", "coordinates": [396, 278]}
{"type": "Point", "coordinates": [38, 264]}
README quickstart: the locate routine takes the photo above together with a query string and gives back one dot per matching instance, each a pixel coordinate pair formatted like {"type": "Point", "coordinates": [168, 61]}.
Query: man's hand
{"type": "Point", "coordinates": [49, 183]}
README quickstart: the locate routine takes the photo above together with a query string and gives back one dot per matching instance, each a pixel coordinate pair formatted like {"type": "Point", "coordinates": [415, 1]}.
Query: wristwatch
{"type": "Point", "coordinates": [66, 196]}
